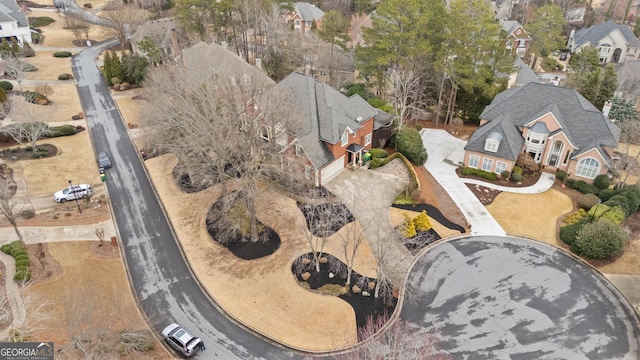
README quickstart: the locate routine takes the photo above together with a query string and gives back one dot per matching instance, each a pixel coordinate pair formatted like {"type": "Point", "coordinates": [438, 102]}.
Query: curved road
{"type": "Point", "coordinates": [165, 287]}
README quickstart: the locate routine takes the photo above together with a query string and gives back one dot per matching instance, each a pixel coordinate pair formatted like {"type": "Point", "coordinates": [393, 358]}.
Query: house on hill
{"type": "Point", "coordinates": [334, 132]}
{"type": "Point", "coordinates": [164, 33]}
{"type": "Point", "coordinates": [556, 126]}
{"type": "Point", "coordinates": [615, 42]}
{"type": "Point", "coordinates": [517, 38]}
{"type": "Point", "coordinates": [14, 24]}
{"type": "Point", "coordinates": [304, 15]}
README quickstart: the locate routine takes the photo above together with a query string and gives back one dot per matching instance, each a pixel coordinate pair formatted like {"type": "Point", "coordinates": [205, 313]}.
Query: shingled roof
{"type": "Point", "coordinates": [325, 113]}
{"type": "Point", "coordinates": [594, 34]}
{"type": "Point", "coordinates": [585, 126]}
{"type": "Point", "coordinates": [308, 12]}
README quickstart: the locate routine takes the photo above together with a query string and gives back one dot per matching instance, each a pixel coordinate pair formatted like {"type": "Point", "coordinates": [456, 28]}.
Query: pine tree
{"type": "Point", "coordinates": [106, 69]}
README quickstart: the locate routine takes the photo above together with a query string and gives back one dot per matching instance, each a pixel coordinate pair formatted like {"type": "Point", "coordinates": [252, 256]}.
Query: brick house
{"type": "Point", "coordinates": [559, 128]}
{"type": "Point", "coordinates": [517, 38]}
{"type": "Point", "coordinates": [303, 16]}
{"type": "Point", "coordinates": [334, 132]}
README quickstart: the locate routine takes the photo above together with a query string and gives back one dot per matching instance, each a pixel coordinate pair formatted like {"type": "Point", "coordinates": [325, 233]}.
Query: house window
{"type": "Point", "coordinates": [473, 161]}
{"type": "Point", "coordinates": [345, 138]}
{"type": "Point", "coordinates": [307, 172]}
{"type": "Point", "coordinates": [588, 168]}
{"type": "Point", "coordinates": [297, 22]}
{"type": "Point", "coordinates": [289, 165]}
{"type": "Point", "coordinates": [500, 167]}
{"type": "Point", "coordinates": [264, 133]}
{"type": "Point", "coordinates": [367, 139]}
{"type": "Point", "coordinates": [298, 150]}
{"type": "Point", "coordinates": [246, 79]}
{"type": "Point", "coordinates": [491, 146]}
{"type": "Point", "coordinates": [323, 73]}
{"type": "Point", "coordinates": [487, 164]}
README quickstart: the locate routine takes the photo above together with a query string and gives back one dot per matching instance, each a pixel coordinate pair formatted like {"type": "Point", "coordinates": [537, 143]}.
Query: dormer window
{"type": "Point", "coordinates": [345, 138]}
{"type": "Point", "coordinates": [493, 142]}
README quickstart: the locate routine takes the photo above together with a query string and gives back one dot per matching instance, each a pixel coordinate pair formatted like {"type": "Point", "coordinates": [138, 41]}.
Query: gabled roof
{"type": "Point", "coordinates": [156, 30]}
{"type": "Point", "coordinates": [525, 74]}
{"type": "Point", "coordinates": [595, 33]}
{"type": "Point", "coordinates": [510, 143]}
{"type": "Point", "coordinates": [212, 61]}
{"type": "Point", "coordinates": [325, 114]}
{"type": "Point", "coordinates": [510, 26]}
{"type": "Point", "coordinates": [308, 12]}
{"type": "Point", "coordinates": [584, 125]}
{"type": "Point", "coordinates": [10, 11]}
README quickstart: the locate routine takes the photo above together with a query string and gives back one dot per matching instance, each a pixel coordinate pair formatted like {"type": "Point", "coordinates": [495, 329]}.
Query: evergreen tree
{"type": "Point", "coordinates": [546, 29]}
{"type": "Point", "coordinates": [107, 67]}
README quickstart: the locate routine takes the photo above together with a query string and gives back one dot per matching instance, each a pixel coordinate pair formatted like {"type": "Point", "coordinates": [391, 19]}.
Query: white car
{"type": "Point", "coordinates": [73, 192]}
{"type": "Point", "coordinates": [179, 339]}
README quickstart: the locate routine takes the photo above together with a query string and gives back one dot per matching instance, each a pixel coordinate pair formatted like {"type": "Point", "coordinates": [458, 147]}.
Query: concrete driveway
{"type": "Point", "coordinates": [445, 153]}
{"type": "Point", "coordinates": [495, 297]}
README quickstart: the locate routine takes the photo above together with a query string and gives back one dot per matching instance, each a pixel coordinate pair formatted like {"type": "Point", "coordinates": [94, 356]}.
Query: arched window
{"type": "Point", "coordinates": [588, 168]}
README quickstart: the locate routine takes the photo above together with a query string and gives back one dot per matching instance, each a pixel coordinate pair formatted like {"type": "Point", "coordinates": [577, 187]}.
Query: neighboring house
{"type": "Point", "coordinates": [558, 127]}
{"type": "Point", "coordinates": [164, 35]}
{"type": "Point", "coordinates": [334, 132]}
{"type": "Point", "coordinates": [304, 15]}
{"type": "Point", "coordinates": [629, 82]}
{"type": "Point", "coordinates": [517, 38]}
{"type": "Point", "coordinates": [206, 62]}
{"type": "Point", "coordinates": [522, 75]}
{"type": "Point", "coordinates": [13, 23]}
{"type": "Point", "coordinates": [615, 42]}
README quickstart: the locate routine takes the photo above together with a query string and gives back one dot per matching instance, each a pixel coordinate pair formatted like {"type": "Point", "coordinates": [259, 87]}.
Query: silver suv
{"type": "Point", "coordinates": [179, 339]}
{"type": "Point", "coordinates": [73, 192]}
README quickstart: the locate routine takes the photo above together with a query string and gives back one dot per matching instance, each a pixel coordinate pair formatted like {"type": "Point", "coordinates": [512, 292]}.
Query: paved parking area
{"type": "Point", "coordinates": [496, 297]}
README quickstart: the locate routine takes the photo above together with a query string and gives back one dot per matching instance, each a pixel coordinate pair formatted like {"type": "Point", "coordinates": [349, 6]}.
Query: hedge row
{"type": "Point", "coordinates": [17, 251]}
{"type": "Point", "coordinates": [481, 173]}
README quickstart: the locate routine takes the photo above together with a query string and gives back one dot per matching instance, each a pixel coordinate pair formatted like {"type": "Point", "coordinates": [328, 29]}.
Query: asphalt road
{"type": "Point", "coordinates": [160, 276]}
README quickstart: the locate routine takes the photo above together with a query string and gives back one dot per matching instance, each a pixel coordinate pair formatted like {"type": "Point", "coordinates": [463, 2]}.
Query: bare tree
{"type": "Point", "coordinates": [27, 123]}
{"type": "Point", "coordinates": [100, 235]}
{"type": "Point", "coordinates": [125, 20]}
{"type": "Point", "coordinates": [408, 96]}
{"type": "Point", "coordinates": [15, 68]}
{"type": "Point", "coordinates": [352, 237]}
{"type": "Point", "coordinates": [629, 135]}
{"type": "Point", "coordinates": [400, 340]}
{"type": "Point", "coordinates": [8, 201]}
{"type": "Point", "coordinates": [29, 313]}
{"type": "Point", "coordinates": [76, 26]}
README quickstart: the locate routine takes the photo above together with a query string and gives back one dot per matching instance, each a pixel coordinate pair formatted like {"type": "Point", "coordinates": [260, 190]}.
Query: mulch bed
{"type": "Point", "coordinates": [20, 152]}
{"type": "Point", "coordinates": [433, 212]}
{"type": "Point", "coordinates": [366, 307]}
{"type": "Point", "coordinates": [325, 219]}
{"type": "Point", "coordinates": [487, 195]}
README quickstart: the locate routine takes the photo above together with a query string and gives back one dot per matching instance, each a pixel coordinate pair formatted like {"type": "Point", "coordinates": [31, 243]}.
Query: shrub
{"type": "Point", "coordinates": [575, 217]}
{"type": "Point", "coordinates": [582, 186]}
{"type": "Point", "coordinates": [62, 54]}
{"type": "Point", "coordinates": [21, 257]}
{"type": "Point", "coordinates": [18, 251]}
{"type": "Point", "coordinates": [606, 194]}
{"type": "Point", "coordinates": [408, 228]}
{"type": "Point", "coordinates": [568, 232]}
{"type": "Point", "coordinates": [561, 174]}
{"type": "Point", "coordinates": [409, 144]}
{"type": "Point", "coordinates": [517, 170]}
{"type": "Point", "coordinates": [22, 276]}
{"type": "Point", "coordinates": [615, 214]}
{"type": "Point", "coordinates": [597, 211]}
{"type": "Point", "coordinates": [35, 97]}
{"type": "Point", "coordinates": [378, 153]}
{"type": "Point", "coordinates": [6, 248]}
{"type": "Point", "coordinates": [375, 163]}
{"type": "Point", "coordinates": [7, 86]}
{"type": "Point", "coordinates": [633, 196]}
{"type": "Point", "coordinates": [516, 177]}
{"type": "Point", "coordinates": [600, 239]}
{"type": "Point", "coordinates": [421, 222]}
{"type": "Point", "coordinates": [63, 130]}
{"type": "Point", "coordinates": [38, 155]}
{"type": "Point", "coordinates": [526, 162]}
{"type": "Point", "coordinates": [479, 172]}
{"type": "Point", "coordinates": [40, 21]}
{"type": "Point", "coordinates": [23, 262]}
{"type": "Point", "coordinates": [3, 95]}
{"type": "Point", "coordinates": [63, 77]}
{"type": "Point", "coordinates": [602, 181]}
{"type": "Point", "coordinates": [621, 201]}
{"type": "Point", "coordinates": [586, 201]}
{"type": "Point", "coordinates": [17, 244]}
{"type": "Point", "coordinates": [505, 174]}
{"type": "Point", "coordinates": [116, 81]}
{"type": "Point", "coordinates": [27, 214]}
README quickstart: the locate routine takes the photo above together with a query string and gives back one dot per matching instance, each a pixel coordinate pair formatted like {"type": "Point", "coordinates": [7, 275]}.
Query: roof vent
{"type": "Point", "coordinates": [359, 119]}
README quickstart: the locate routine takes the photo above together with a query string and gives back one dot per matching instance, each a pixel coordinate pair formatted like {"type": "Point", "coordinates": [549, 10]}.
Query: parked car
{"type": "Point", "coordinates": [103, 160]}
{"type": "Point", "coordinates": [563, 56]}
{"type": "Point", "coordinates": [73, 192]}
{"type": "Point", "coordinates": [179, 339]}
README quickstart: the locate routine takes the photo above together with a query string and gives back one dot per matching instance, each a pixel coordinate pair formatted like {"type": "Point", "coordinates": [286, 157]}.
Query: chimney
{"type": "Point", "coordinates": [259, 64]}
{"type": "Point", "coordinates": [606, 108]}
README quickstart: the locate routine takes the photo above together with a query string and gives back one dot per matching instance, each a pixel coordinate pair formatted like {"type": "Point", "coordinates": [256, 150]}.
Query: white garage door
{"type": "Point", "coordinates": [331, 170]}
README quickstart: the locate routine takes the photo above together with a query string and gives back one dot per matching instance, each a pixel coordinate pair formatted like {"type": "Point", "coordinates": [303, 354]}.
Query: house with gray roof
{"type": "Point", "coordinates": [556, 126]}
{"type": "Point", "coordinates": [13, 23]}
{"type": "Point", "coordinates": [165, 35]}
{"type": "Point", "coordinates": [517, 38]}
{"type": "Point", "coordinates": [335, 130]}
{"type": "Point", "coordinates": [304, 15]}
{"type": "Point", "coordinates": [615, 42]}
{"type": "Point", "coordinates": [521, 75]}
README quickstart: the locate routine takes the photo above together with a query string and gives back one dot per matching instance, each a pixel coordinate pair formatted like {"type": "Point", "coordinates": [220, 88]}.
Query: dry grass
{"type": "Point", "coordinates": [533, 215]}
{"type": "Point", "coordinates": [49, 67]}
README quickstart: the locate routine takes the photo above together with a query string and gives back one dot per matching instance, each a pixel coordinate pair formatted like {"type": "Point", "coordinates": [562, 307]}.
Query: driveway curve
{"type": "Point", "coordinates": [497, 297]}
{"type": "Point", "coordinates": [165, 287]}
